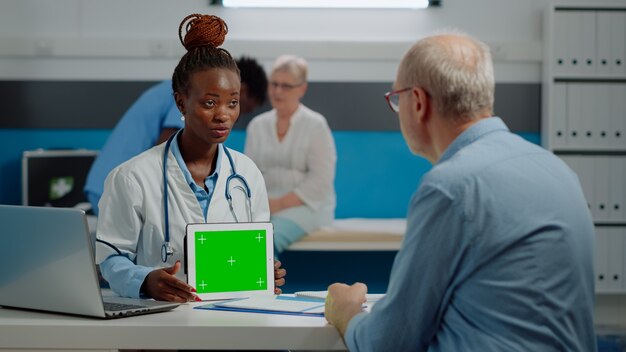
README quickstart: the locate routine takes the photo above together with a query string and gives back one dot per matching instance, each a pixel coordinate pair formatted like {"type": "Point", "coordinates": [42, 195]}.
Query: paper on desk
{"type": "Point", "coordinates": [370, 297]}
{"type": "Point", "coordinates": [271, 305]}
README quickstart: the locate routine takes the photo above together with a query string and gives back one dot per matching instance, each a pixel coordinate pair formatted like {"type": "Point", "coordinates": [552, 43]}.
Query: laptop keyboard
{"type": "Point", "coordinates": [114, 307]}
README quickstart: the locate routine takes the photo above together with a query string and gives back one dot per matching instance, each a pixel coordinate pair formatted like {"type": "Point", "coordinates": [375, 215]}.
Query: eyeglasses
{"type": "Point", "coordinates": [284, 86]}
{"type": "Point", "coordinates": [393, 98]}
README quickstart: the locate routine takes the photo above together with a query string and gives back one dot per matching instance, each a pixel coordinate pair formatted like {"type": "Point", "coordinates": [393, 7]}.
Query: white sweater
{"type": "Point", "coordinates": [303, 162]}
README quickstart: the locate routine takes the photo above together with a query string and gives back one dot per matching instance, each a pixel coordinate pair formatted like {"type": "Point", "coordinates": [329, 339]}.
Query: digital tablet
{"type": "Point", "coordinates": [230, 260]}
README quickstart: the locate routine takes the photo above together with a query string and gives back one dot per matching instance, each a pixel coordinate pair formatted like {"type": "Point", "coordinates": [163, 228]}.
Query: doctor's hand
{"type": "Point", "coordinates": [162, 285]}
{"type": "Point", "coordinates": [279, 277]}
{"type": "Point", "coordinates": [343, 302]}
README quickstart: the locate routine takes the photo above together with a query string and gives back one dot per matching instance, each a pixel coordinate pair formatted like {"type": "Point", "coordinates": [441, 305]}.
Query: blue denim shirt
{"type": "Point", "coordinates": [498, 255]}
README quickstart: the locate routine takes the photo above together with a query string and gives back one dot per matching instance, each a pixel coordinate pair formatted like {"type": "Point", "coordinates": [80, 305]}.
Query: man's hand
{"type": "Point", "coordinates": [279, 277]}
{"type": "Point", "coordinates": [344, 302]}
{"type": "Point", "coordinates": [162, 285]}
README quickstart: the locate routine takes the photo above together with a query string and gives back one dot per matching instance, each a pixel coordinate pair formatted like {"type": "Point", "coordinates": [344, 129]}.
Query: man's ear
{"type": "Point", "coordinates": [421, 104]}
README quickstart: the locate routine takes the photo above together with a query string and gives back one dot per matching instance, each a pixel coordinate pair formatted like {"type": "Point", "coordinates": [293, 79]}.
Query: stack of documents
{"type": "Point", "coordinates": [271, 305]}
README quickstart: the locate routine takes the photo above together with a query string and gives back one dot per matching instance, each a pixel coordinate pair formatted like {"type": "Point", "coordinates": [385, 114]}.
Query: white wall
{"type": "Point", "coordinates": [138, 39]}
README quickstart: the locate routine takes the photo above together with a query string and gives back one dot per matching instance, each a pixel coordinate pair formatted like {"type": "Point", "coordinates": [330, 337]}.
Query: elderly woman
{"type": "Point", "coordinates": [293, 147]}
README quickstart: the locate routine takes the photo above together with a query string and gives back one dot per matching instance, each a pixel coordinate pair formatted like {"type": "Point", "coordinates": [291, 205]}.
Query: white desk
{"type": "Point", "coordinates": [181, 328]}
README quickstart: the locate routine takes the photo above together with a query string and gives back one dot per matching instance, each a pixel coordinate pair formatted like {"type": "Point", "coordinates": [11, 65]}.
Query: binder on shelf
{"type": "Point", "coordinates": [616, 23]}
{"type": "Point", "coordinates": [617, 112]}
{"type": "Point", "coordinates": [622, 199]}
{"type": "Point", "coordinates": [561, 57]}
{"type": "Point", "coordinates": [587, 115]}
{"type": "Point", "coordinates": [601, 260]}
{"type": "Point", "coordinates": [587, 176]}
{"type": "Point", "coordinates": [558, 128]}
{"type": "Point", "coordinates": [604, 48]}
{"type": "Point", "coordinates": [600, 206]}
{"type": "Point", "coordinates": [609, 259]}
{"type": "Point", "coordinates": [601, 136]}
{"type": "Point", "coordinates": [617, 187]}
{"type": "Point", "coordinates": [618, 32]}
{"type": "Point", "coordinates": [574, 114]}
{"type": "Point", "coordinates": [611, 47]}
{"type": "Point", "coordinates": [573, 49]}
{"type": "Point", "coordinates": [587, 179]}
{"type": "Point", "coordinates": [585, 39]}
{"type": "Point", "coordinates": [615, 257]}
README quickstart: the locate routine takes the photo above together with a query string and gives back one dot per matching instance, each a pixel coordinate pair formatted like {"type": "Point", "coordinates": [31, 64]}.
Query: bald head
{"type": "Point", "coordinates": [456, 71]}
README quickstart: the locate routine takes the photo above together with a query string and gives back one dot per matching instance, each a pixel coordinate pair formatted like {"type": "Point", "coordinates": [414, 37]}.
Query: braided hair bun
{"type": "Point", "coordinates": [202, 30]}
{"type": "Point", "coordinates": [202, 38]}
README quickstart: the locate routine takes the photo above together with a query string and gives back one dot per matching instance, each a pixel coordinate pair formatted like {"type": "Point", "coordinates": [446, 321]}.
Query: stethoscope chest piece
{"type": "Point", "coordinates": [166, 251]}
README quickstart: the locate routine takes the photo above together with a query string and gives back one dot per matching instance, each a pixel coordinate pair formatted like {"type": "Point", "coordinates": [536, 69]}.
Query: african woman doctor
{"type": "Point", "coordinates": [206, 87]}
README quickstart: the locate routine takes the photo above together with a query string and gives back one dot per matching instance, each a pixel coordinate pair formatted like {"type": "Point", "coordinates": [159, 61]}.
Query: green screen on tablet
{"type": "Point", "coordinates": [230, 260]}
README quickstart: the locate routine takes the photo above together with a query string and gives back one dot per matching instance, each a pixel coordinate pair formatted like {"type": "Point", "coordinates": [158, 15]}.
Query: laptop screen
{"type": "Point", "coordinates": [48, 251]}
{"type": "Point", "coordinates": [50, 265]}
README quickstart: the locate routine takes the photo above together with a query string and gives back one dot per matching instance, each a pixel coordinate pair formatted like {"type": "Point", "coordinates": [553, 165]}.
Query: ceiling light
{"type": "Point", "coordinates": [362, 4]}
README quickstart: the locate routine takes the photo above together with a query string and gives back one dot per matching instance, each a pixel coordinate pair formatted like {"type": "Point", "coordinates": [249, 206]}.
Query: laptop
{"type": "Point", "coordinates": [48, 265]}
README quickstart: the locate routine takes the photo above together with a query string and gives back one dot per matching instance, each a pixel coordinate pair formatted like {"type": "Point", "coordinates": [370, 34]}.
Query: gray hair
{"type": "Point", "coordinates": [455, 69]}
{"type": "Point", "coordinates": [295, 65]}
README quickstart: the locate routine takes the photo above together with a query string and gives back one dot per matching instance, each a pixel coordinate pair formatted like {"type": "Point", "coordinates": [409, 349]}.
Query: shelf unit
{"type": "Point", "coordinates": [584, 119]}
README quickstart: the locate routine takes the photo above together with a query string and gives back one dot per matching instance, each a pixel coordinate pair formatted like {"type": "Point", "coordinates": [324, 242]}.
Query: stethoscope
{"type": "Point", "coordinates": [166, 249]}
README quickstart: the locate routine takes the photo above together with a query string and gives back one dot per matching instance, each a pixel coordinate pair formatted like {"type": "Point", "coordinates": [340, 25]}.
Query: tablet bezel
{"type": "Point", "coordinates": [190, 260]}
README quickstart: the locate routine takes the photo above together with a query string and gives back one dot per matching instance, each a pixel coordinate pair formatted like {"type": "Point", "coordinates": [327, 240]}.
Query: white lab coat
{"type": "Point", "coordinates": [131, 208]}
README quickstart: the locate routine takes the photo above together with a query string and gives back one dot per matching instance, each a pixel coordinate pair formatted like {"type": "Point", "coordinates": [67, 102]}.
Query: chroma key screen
{"type": "Point", "coordinates": [232, 260]}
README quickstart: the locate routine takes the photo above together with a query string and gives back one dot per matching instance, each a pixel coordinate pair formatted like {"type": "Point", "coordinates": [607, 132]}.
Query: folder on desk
{"type": "Point", "coordinates": [271, 305]}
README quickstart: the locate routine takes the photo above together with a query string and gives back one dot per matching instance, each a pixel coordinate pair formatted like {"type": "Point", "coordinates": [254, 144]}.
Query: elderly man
{"type": "Point", "coordinates": [498, 253]}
